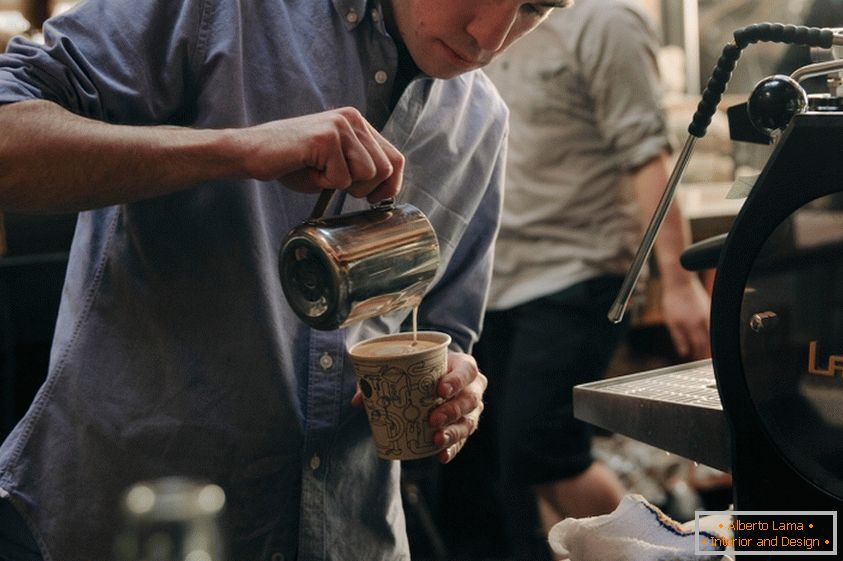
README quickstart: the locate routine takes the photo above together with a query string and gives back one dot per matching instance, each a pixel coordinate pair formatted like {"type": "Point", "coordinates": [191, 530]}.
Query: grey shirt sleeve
{"type": "Point", "coordinates": [619, 57]}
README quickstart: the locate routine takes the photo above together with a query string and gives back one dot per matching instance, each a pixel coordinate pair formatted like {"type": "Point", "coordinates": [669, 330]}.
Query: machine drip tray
{"type": "Point", "coordinates": [676, 409]}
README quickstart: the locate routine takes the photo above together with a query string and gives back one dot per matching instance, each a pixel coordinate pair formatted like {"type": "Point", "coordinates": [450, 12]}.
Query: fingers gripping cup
{"type": "Point", "coordinates": [398, 378]}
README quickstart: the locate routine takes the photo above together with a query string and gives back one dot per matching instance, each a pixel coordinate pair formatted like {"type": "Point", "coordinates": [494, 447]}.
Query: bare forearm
{"type": "Point", "coordinates": [685, 304]}
{"type": "Point", "coordinates": [649, 182]}
{"type": "Point", "coordinates": [54, 161]}
{"type": "Point", "coordinates": [674, 238]}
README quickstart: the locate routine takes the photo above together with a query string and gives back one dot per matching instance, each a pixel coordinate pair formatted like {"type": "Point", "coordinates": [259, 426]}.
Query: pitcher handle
{"type": "Point", "coordinates": [325, 199]}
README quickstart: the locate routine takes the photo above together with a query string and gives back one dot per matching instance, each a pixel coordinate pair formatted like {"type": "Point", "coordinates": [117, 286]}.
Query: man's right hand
{"type": "Point", "coordinates": [335, 149]}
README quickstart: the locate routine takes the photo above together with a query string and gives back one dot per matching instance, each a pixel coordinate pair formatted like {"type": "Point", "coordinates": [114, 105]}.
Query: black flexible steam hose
{"type": "Point", "coordinates": [759, 32]}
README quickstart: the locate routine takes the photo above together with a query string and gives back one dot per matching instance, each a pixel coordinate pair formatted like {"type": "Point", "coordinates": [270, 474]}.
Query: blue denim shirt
{"type": "Point", "coordinates": [175, 350]}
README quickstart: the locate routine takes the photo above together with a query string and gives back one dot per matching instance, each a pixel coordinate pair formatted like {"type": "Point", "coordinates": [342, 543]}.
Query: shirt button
{"type": "Point", "coordinates": [351, 17]}
{"type": "Point", "coordinates": [381, 77]}
{"type": "Point", "coordinates": [315, 462]}
{"type": "Point", "coordinates": [325, 361]}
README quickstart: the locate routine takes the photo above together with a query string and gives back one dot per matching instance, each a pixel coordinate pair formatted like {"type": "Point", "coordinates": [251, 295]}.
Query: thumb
{"type": "Point", "coordinates": [357, 398]}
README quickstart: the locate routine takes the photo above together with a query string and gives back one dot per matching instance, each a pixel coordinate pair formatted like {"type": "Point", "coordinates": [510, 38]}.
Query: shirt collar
{"type": "Point", "coordinates": [351, 12]}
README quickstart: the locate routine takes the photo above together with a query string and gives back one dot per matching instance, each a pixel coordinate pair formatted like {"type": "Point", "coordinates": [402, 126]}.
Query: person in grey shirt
{"type": "Point", "coordinates": [585, 170]}
{"type": "Point", "coordinates": [192, 136]}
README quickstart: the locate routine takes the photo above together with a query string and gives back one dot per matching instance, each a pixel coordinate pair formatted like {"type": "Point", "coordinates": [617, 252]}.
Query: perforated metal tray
{"type": "Point", "coordinates": [676, 409]}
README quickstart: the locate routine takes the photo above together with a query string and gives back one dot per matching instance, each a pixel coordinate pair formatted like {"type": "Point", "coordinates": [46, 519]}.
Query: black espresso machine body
{"type": "Point", "coordinates": [777, 325]}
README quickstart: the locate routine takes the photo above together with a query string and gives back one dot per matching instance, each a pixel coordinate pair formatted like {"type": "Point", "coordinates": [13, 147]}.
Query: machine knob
{"type": "Point", "coordinates": [774, 101]}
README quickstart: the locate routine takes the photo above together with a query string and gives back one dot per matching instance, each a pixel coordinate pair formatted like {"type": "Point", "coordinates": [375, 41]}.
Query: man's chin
{"type": "Point", "coordinates": [440, 61]}
{"type": "Point", "coordinates": [445, 72]}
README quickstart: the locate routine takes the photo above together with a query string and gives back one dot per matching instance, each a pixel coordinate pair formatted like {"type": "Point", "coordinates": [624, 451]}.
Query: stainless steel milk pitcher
{"type": "Point", "coordinates": [346, 268]}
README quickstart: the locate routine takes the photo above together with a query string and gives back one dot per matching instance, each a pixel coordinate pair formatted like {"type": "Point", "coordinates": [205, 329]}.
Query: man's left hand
{"type": "Point", "coordinates": [462, 387]}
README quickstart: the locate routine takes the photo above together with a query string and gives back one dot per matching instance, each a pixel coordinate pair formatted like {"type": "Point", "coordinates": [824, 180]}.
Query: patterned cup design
{"type": "Point", "coordinates": [398, 383]}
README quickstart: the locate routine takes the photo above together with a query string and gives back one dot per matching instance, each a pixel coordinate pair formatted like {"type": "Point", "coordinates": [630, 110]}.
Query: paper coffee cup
{"type": "Point", "coordinates": [398, 378]}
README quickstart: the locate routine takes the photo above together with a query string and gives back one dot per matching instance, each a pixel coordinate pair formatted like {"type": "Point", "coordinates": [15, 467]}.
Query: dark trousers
{"type": "Point", "coordinates": [533, 355]}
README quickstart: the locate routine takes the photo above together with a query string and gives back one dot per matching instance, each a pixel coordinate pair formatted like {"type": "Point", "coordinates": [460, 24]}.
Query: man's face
{"type": "Point", "coordinates": [449, 37]}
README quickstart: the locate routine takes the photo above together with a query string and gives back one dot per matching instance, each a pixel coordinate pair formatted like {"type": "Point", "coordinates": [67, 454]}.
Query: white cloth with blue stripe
{"type": "Point", "coordinates": [635, 531]}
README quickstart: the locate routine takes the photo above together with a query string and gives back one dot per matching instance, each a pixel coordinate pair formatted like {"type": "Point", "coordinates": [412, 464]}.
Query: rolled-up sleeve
{"type": "Point", "coordinates": [620, 60]}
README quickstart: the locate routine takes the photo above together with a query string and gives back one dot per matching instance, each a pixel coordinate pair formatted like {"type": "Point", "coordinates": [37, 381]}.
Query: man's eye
{"type": "Point", "coordinates": [542, 9]}
{"type": "Point", "coordinates": [535, 9]}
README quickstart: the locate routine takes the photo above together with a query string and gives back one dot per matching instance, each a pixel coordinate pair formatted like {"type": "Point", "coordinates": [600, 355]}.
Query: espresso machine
{"type": "Point", "coordinates": [768, 405]}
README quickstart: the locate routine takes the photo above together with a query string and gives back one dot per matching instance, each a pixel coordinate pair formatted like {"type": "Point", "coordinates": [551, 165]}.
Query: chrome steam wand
{"type": "Point", "coordinates": [767, 32]}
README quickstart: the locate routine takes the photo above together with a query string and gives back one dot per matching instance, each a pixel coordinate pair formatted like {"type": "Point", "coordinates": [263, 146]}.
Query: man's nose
{"type": "Point", "coordinates": [491, 25]}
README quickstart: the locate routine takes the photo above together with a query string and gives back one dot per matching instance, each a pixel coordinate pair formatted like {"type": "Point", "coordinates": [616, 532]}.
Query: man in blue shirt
{"type": "Point", "coordinates": [192, 135]}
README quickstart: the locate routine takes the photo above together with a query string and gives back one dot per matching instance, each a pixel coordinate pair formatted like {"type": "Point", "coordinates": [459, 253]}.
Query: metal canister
{"type": "Point", "coordinates": [342, 269]}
